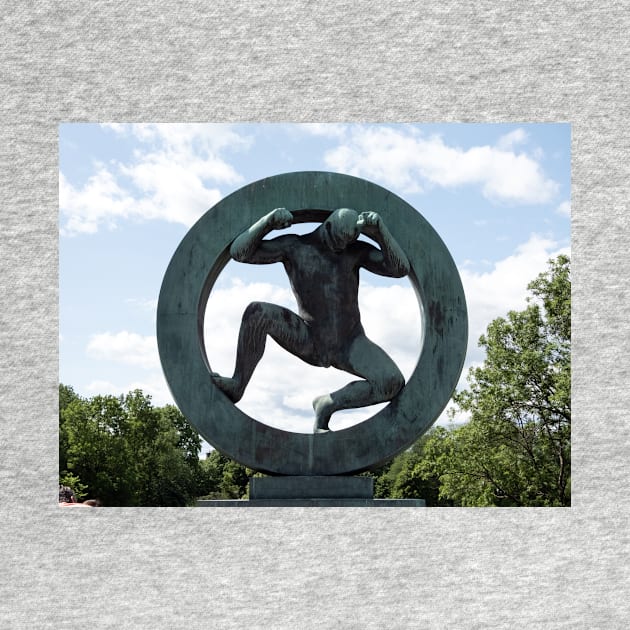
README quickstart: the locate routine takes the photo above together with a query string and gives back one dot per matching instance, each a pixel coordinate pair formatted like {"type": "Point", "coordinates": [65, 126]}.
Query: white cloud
{"type": "Point", "coordinates": [564, 209]}
{"type": "Point", "coordinates": [137, 351]}
{"type": "Point", "coordinates": [492, 294]}
{"type": "Point", "coordinates": [153, 385]}
{"type": "Point", "coordinates": [172, 177]}
{"type": "Point", "coordinates": [184, 138]}
{"type": "Point", "coordinates": [510, 140]}
{"type": "Point", "coordinates": [119, 128]}
{"type": "Point", "coordinates": [125, 347]}
{"type": "Point", "coordinates": [327, 130]}
{"type": "Point", "coordinates": [391, 317]}
{"type": "Point", "coordinates": [410, 162]}
{"type": "Point", "coordinates": [100, 201]}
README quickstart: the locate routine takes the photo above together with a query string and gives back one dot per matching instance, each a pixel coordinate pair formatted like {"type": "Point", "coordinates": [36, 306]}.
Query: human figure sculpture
{"type": "Point", "coordinates": [323, 269]}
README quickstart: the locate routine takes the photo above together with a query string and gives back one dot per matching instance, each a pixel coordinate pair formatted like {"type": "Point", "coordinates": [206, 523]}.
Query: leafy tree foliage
{"type": "Point", "coordinates": [515, 450]}
{"type": "Point", "coordinates": [124, 451]}
{"type": "Point", "coordinates": [401, 478]}
{"type": "Point", "coordinates": [414, 480]}
{"type": "Point", "coordinates": [223, 478]}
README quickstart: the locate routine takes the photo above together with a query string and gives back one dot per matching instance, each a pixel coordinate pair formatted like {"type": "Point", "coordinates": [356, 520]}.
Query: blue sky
{"type": "Point", "coordinates": [498, 195]}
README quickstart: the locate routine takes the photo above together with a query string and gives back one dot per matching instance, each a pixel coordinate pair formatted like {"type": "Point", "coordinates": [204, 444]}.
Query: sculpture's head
{"type": "Point", "coordinates": [341, 228]}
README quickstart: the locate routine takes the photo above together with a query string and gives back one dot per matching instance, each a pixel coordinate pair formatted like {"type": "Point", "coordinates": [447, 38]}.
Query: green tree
{"type": "Point", "coordinates": [234, 481]}
{"type": "Point", "coordinates": [515, 450]}
{"type": "Point", "coordinates": [383, 477]}
{"type": "Point", "coordinates": [188, 440]}
{"type": "Point", "coordinates": [126, 452]}
{"type": "Point", "coordinates": [412, 480]}
{"type": "Point", "coordinates": [223, 478]}
{"type": "Point", "coordinates": [97, 450]}
{"type": "Point", "coordinates": [66, 396]}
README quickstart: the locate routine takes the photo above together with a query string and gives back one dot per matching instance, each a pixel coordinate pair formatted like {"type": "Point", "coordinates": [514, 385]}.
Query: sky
{"type": "Point", "coordinates": [497, 194]}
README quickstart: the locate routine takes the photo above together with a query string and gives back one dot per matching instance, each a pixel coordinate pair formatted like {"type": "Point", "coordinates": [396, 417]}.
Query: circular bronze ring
{"type": "Point", "coordinates": [197, 263]}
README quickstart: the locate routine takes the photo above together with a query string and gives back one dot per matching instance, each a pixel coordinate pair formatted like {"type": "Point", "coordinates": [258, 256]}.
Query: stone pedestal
{"type": "Point", "coordinates": [311, 487]}
{"type": "Point", "coordinates": [312, 491]}
{"type": "Point", "coordinates": [314, 503]}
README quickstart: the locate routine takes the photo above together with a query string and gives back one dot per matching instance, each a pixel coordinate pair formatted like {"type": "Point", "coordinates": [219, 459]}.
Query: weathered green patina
{"type": "Point", "coordinates": [323, 267]}
{"type": "Point", "coordinates": [198, 261]}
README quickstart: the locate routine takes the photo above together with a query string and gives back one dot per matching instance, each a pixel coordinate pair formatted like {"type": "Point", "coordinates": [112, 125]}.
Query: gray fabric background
{"type": "Point", "coordinates": [311, 568]}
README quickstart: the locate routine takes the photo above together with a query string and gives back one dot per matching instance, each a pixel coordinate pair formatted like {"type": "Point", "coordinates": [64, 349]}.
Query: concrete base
{"type": "Point", "coordinates": [314, 503]}
{"type": "Point", "coordinates": [312, 491]}
{"type": "Point", "coordinates": [311, 487]}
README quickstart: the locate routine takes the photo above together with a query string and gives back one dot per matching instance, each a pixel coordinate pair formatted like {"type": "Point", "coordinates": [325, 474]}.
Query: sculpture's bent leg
{"type": "Point", "coordinates": [259, 320]}
{"type": "Point", "coordinates": [383, 380]}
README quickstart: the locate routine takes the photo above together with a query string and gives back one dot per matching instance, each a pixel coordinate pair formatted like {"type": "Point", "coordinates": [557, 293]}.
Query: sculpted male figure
{"type": "Point", "coordinates": [323, 268]}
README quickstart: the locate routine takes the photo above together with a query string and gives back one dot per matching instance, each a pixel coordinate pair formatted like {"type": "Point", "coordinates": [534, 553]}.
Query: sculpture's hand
{"type": "Point", "coordinates": [369, 220]}
{"type": "Point", "coordinates": [279, 219]}
{"type": "Point", "coordinates": [245, 247]}
{"type": "Point", "coordinates": [394, 261]}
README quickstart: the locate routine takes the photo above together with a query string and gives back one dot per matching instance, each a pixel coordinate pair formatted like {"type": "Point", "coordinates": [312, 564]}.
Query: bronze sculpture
{"type": "Point", "coordinates": [323, 268]}
{"type": "Point", "coordinates": [312, 196]}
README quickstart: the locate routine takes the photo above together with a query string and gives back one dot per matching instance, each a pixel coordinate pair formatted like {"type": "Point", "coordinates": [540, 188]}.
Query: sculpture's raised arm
{"type": "Point", "coordinates": [247, 244]}
{"type": "Point", "coordinates": [391, 260]}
